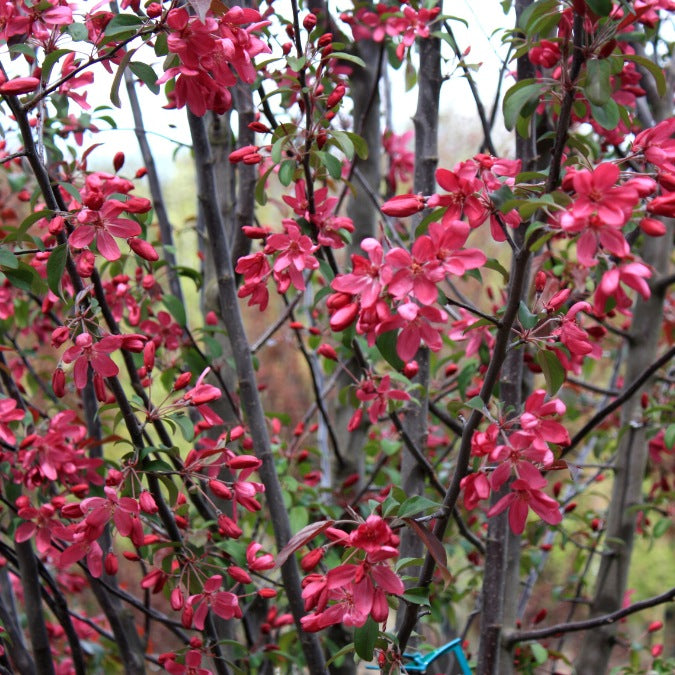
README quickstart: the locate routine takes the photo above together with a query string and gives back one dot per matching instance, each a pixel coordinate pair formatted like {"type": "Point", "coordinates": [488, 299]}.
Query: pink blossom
{"type": "Point", "coordinates": [527, 495]}
{"type": "Point", "coordinates": [85, 351]}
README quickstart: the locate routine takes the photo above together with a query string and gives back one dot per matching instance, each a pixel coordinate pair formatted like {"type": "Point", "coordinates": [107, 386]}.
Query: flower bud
{"type": "Point", "coordinates": [654, 626]}
{"type": "Point", "coordinates": [259, 127]}
{"type": "Point", "coordinates": [336, 96]}
{"type": "Point", "coordinates": [239, 154]}
{"type": "Point", "coordinates": [85, 263]}
{"type": "Point", "coordinates": [228, 528]}
{"type": "Point", "coordinates": [177, 599]}
{"type": "Point", "coordinates": [118, 161]}
{"type": "Point", "coordinates": [540, 281]}
{"type": "Point", "coordinates": [141, 172]}
{"type": "Point", "coordinates": [147, 502]}
{"type": "Point", "coordinates": [143, 248]}
{"type": "Point", "coordinates": [59, 336]}
{"type": "Point", "coordinates": [149, 355]}
{"type": "Point", "coordinates": [186, 616]}
{"type": "Point", "coordinates": [652, 227]}
{"type": "Point", "coordinates": [411, 369]}
{"type": "Point", "coordinates": [403, 205]}
{"type": "Point", "coordinates": [327, 351]}
{"type": "Point", "coordinates": [182, 381]}
{"type": "Point", "coordinates": [59, 383]}
{"type": "Point", "coordinates": [244, 462]}
{"type": "Point", "coordinates": [220, 489]}
{"type": "Point", "coordinates": [312, 559]}
{"type": "Point", "coordinates": [309, 22]}
{"type": "Point", "coordinates": [267, 593]}
{"type": "Point", "coordinates": [344, 317]}
{"type": "Point", "coordinates": [153, 10]}
{"type": "Point", "coordinates": [111, 564]}
{"type": "Point", "coordinates": [239, 574]}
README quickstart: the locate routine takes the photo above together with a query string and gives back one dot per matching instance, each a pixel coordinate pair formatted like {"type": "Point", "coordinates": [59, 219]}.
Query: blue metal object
{"type": "Point", "coordinates": [418, 663]}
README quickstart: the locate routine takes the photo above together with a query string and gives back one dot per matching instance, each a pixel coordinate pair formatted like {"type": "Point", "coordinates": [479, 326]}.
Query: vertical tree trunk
{"type": "Point", "coordinates": [424, 181]}
{"type": "Point", "coordinates": [630, 463]}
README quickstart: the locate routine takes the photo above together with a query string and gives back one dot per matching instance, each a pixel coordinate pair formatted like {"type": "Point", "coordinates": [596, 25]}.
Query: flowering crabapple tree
{"type": "Point", "coordinates": [474, 429]}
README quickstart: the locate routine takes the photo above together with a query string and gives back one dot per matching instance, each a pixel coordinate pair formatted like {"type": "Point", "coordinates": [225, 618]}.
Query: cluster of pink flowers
{"type": "Point", "coordinates": [209, 52]}
{"type": "Point", "coordinates": [522, 454]}
{"type": "Point", "coordinates": [358, 588]}
{"type": "Point", "coordinates": [289, 256]}
{"type": "Point", "coordinates": [383, 21]}
{"type": "Point", "coordinates": [97, 220]}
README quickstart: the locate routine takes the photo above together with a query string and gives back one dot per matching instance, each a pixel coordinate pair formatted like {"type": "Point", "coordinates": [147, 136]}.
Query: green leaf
{"type": "Point", "coordinates": [419, 595]}
{"type": "Point", "coordinates": [386, 345]}
{"type": "Point", "coordinates": [122, 23]}
{"type": "Point", "coordinates": [359, 144]}
{"type": "Point", "coordinates": [598, 88]}
{"type": "Point", "coordinates": [77, 31]}
{"type": "Point", "coordinates": [518, 97]}
{"type": "Point", "coordinates": [526, 318]}
{"type": "Point", "coordinates": [476, 403]}
{"type": "Point", "coordinates": [553, 371]}
{"type": "Point", "coordinates": [606, 116]}
{"type": "Point", "coordinates": [56, 264]}
{"type": "Point", "coordinates": [333, 164]}
{"type": "Point", "coordinates": [661, 527]}
{"type": "Point", "coordinates": [600, 7]}
{"type": "Point", "coordinates": [655, 70]}
{"type": "Point", "coordinates": [539, 653]}
{"type": "Point", "coordinates": [146, 75]}
{"type": "Point", "coordinates": [415, 505]}
{"type": "Point", "coordinates": [176, 309]}
{"type": "Point", "coordinates": [340, 653]}
{"type": "Point", "coordinates": [50, 62]}
{"type": "Point", "coordinates": [156, 465]}
{"type": "Point", "coordinates": [287, 171]}
{"type": "Point", "coordinates": [494, 264]}
{"type": "Point", "coordinates": [669, 437]}
{"type": "Point", "coordinates": [364, 639]}
{"type": "Point", "coordinates": [185, 425]}
{"type": "Point", "coordinates": [344, 143]}
{"type": "Point", "coordinates": [8, 259]}
{"type": "Point", "coordinates": [343, 56]}
{"type": "Point", "coordinates": [115, 87]}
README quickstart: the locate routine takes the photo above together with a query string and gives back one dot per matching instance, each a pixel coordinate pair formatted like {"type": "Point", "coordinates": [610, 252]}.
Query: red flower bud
{"type": "Point", "coordinates": [312, 559]}
{"type": "Point", "coordinates": [244, 461]}
{"type": "Point", "coordinates": [239, 154]}
{"type": "Point", "coordinates": [253, 158]}
{"type": "Point", "coordinates": [99, 389]}
{"type": "Point", "coordinates": [254, 232]}
{"type": "Point", "coordinates": [403, 205]}
{"type": "Point", "coordinates": [111, 566]}
{"type": "Point", "coordinates": [239, 574]}
{"type": "Point", "coordinates": [118, 161]}
{"type": "Point", "coordinates": [228, 528]}
{"type": "Point", "coordinates": [177, 599]}
{"type": "Point", "coordinates": [327, 352]}
{"type": "Point", "coordinates": [540, 281]}
{"type": "Point", "coordinates": [143, 248]}
{"type": "Point", "coordinates": [59, 383]}
{"type": "Point", "coordinates": [411, 369]}
{"type": "Point", "coordinates": [309, 22]}
{"type": "Point", "coordinates": [141, 172]}
{"type": "Point", "coordinates": [267, 593]}
{"type": "Point", "coordinates": [287, 46]}
{"type": "Point", "coordinates": [131, 555]}
{"type": "Point", "coordinates": [186, 616]}
{"type": "Point", "coordinates": [336, 96]}
{"type": "Point", "coordinates": [20, 85]}
{"type": "Point", "coordinates": [344, 317]}
{"type": "Point", "coordinates": [259, 127]}
{"type": "Point", "coordinates": [59, 336]}
{"type": "Point", "coordinates": [540, 616]}
{"type": "Point", "coordinates": [153, 10]}
{"type": "Point", "coordinates": [652, 227]}
{"type": "Point", "coordinates": [325, 39]}
{"type": "Point", "coordinates": [182, 381]}
{"type": "Point", "coordinates": [85, 263]}
{"type": "Point", "coordinates": [654, 626]}
{"type": "Point", "coordinates": [657, 650]}
{"type": "Point", "coordinates": [147, 502]}
{"type": "Point", "coordinates": [570, 507]}
{"type": "Point", "coordinates": [220, 489]}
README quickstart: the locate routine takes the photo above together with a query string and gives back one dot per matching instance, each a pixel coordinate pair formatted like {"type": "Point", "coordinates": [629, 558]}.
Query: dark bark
{"type": "Point", "coordinates": [250, 399]}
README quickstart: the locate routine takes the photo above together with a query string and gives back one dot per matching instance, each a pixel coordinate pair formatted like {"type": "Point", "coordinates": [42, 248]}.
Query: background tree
{"type": "Point", "coordinates": [483, 339]}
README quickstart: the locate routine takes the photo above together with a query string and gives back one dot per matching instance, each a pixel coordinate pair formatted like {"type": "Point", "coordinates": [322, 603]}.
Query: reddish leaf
{"type": "Point", "coordinates": [434, 546]}
{"type": "Point", "coordinates": [299, 539]}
